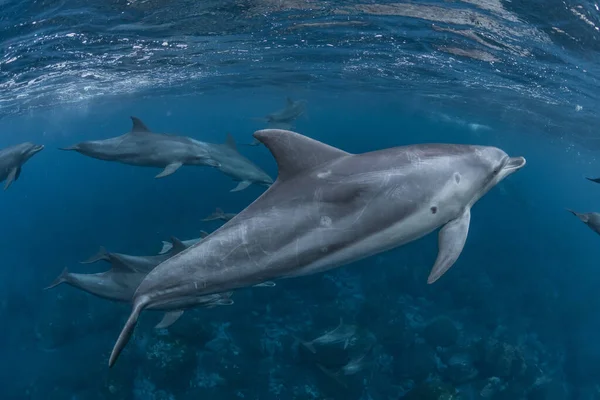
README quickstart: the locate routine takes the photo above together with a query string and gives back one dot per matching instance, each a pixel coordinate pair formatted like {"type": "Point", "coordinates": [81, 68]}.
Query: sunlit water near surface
{"type": "Point", "coordinates": [515, 318]}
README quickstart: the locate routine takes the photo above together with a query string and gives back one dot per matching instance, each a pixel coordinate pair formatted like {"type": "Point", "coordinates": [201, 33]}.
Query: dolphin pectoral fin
{"type": "Point", "coordinates": [127, 331]}
{"type": "Point", "coordinates": [266, 284]}
{"type": "Point", "coordinates": [169, 169]}
{"type": "Point", "coordinates": [241, 186]}
{"type": "Point", "coordinates": [62, 278]}
{"type": "Point", "coordinates": [13, 175]}
{"type": "Point", "coordinates": [166, 246]}
{"type": "Point", "coordinates": [451, 241]}
{"type": "Point", "coordinates": [597, 180]}
{"type": "Point", "coordinates": [169, 319]}
{"type": "Point", "coordinates": [102, 254]}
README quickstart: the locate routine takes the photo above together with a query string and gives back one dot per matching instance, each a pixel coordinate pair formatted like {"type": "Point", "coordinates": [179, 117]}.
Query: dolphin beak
{"type": "Point", "coordinates": [38, 148]}
{"type": "Point", "coordinates": [515, 163]}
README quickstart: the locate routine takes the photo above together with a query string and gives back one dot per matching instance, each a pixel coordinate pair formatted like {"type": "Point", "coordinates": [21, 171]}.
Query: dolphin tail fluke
{"type": "Point", "coordinates": [597, 180]}
{"type": "Point", "coordinates": [127, 331]}
{"type": "Point", "coordinates": [241, 186]}
{"type": "Point", "coordinates": [451, 241]}
{"type": "Point", "coordinates": [307, 345]}
{"type": "Point", "coordinates": [102, 254]}
{"type": "Point", "coordinates": [62, 278]}
{"type": "Point", "coordinates": [166, 246]}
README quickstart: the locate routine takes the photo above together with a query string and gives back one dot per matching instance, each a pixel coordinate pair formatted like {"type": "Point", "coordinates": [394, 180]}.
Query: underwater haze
{"type": "Point", "coordinates": [516, 317]}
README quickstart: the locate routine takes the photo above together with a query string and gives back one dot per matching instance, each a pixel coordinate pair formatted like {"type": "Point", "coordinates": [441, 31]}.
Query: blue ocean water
{"type": "Point", "coordinates": [515, 318]}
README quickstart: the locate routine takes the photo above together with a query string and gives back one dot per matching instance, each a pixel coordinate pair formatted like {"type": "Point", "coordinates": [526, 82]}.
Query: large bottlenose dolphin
{"type": "Point", "coordinates": [12, 159]}
{"type": "Point", "coordinates": [591, 219]}
{"type": "Point", "coordinates": [328, 208]}
{"type": "Point", "coordinates": [138, 263]}
{"type": "Point", "coordinates": [144, 148]}
{"type": "Point", "coordinates": [235, 165]}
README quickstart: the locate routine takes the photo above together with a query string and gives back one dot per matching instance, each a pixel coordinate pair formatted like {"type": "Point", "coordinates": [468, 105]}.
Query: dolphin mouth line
{"type": "Point", "coordinates": [514, 163]}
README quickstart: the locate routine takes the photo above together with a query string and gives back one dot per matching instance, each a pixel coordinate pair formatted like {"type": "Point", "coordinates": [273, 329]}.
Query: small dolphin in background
{"type": "Point", "coordinates": [293, 109]}
{"type": "Point", "coordinates": [341, 334]}
{"type": "Point", "coordinates": [219, 214]}
{"type": "Point", "coordinates": [597, 180]}
{"type": "Point", "coordinates": [12, 159]}
{"type": "Point", "coordinates": [235, 165]}
{"type": "Point", "coordinates": [326, 209]}
{"type": "Point", "coordinates": [137, 263]}
{"type": "Point", "coordinates": [144, 148]}
{"type": "Point", "coordinates": [591, 219]}
{"type": "Point", "coordinates": [167, 246]}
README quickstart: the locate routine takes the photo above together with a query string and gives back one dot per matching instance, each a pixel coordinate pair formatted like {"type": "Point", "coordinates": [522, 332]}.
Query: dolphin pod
{"type": "Point", "coordinates": [328, 208]}
{"type": "Point", "coordinates": [120, 282]}
{"type": "Point", "coordinates": [12, 160]}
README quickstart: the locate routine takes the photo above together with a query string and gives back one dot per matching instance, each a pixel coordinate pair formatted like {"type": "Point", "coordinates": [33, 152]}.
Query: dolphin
{"type": "Point", "coordinates": [235, 165]}
{"type": "Point", "coordinates": [219, 214]}
{"type": "Point", "coordinates": [343, 333]}
{"type": "Point", "coordinates": [137, 263]}
{"type": "Point", "coordinates": [167, 246]}
{"type": "Point", "coordinates": [591, 219]}
{"type": "Point", "coordinates": [119, 284]}
{"type": "Point", "coordinates": [12, 159]}
{"type": "Point", "coordinates": [597, 180]}
{"type": "Point", "coordinates": [141, 147]}
{"type": "Point", "coordinates": [326, 209]}
{"type": "Point", "coordinates": [293, 109]}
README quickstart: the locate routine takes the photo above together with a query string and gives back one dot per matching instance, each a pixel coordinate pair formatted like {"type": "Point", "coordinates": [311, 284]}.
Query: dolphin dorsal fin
{"type": "Point", "coordinates": [138, 126]}
{"type": "Point", "coordinates": [230, 142]}
{"type": "Point", "coordinates": [178, 245]}
{"type": "Point", "coordinates": [295, 153]}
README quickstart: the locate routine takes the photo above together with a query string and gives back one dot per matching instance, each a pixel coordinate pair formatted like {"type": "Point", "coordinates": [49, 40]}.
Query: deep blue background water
{"type": "Point", "coordinates": [528, 275]}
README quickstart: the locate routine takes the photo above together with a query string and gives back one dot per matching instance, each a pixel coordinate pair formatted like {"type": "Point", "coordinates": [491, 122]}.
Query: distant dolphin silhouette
{"type": "Point", "coordinates": [219, 214]}
{"type": "Point", "coordinates": [326, 209]}
{"type": "Point", "coordinates": [141, 147]}
{"type": "Point", "coordinates": [597, 180]}
{"type": "Point", "coordinates": [12, 159]}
